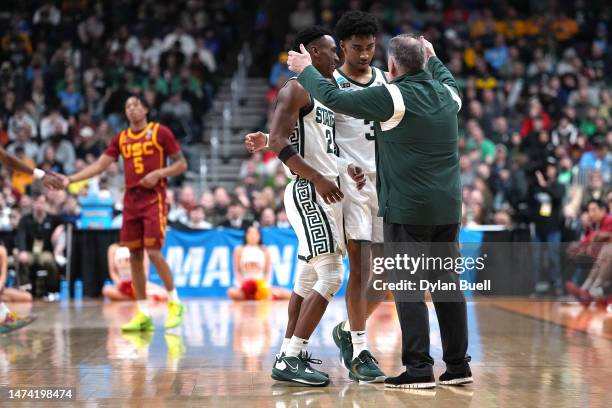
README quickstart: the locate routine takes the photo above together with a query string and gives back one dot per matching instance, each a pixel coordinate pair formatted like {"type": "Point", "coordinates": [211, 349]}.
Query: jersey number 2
{"type": "Point", "coordinates": [330, 142]}
{"type": "Point", "coordinates": [138, 166]}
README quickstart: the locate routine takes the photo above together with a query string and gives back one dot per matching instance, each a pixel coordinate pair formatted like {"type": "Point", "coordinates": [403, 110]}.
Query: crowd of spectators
{"type": "Point", "coordinates": [67, 68]}
{"type": "Point", "coordinates": [535, 128]}
{"type": "Point", "coordinates": [536, 123]}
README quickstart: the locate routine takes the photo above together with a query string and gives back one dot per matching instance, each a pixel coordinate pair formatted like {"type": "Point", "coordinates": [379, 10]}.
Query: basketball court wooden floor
{"type": "Point", "coordinates": [523, 354]}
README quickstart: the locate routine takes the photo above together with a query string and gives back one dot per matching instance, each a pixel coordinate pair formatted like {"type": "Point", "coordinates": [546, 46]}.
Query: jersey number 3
{"type": "Point", "coordinates": [370, 133]}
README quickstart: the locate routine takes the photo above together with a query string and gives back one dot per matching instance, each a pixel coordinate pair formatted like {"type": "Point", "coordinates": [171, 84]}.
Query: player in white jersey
{"type": "Point", "coordinates": [302, 135]}
{"type": "Point", "coordinates": [357, 31]}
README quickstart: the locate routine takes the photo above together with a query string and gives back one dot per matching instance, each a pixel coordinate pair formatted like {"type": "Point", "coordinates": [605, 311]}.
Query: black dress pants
{"type": "Point", "coordinates": [435, 241]}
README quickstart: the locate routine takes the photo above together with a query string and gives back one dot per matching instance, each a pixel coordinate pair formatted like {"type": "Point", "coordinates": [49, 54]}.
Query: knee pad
{"type": "Point", "coordinates": [330, 271]}
{"type": "Point", "coordinates": [305, 279]}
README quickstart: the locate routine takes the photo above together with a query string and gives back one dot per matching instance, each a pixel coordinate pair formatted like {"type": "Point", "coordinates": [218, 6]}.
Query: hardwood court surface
{"type": "Point", "coordinates": [523, 354]}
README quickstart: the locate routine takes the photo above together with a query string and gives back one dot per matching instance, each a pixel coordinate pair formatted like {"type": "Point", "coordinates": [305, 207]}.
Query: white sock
{"type": "Point", "coordinates": [173, 296]}
{"type": "Point", "coordinates": [296, 345]}
{"type": "Point", "coordinates": [285, 345]}
{"type": "Point", "coordinates": [143, 306]}
{"type": "Point", "coordinates": [359, 339]}
{"type": "Point", "coordinates": [346, 326]}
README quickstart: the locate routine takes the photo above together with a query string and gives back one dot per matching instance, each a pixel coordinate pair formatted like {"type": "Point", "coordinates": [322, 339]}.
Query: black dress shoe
{"type": "Point", "coordinates": [404, 380]}
{"type": "Point", "coordinates": [456, 378]}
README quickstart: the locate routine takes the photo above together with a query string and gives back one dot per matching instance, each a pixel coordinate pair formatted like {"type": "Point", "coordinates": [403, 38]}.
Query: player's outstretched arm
{"type": "Point", "coordinates": [92, 170]}
{"type": "Point", "coordinates": [50, 180]}
{"type": "Point", "coordinates": [178, 166]}
{"type": "Point", "coordinates": [291, 98]}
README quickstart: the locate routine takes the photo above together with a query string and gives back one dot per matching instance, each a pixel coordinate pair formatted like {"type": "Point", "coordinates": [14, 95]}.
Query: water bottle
{"type": "Point", "coordinates": [78, 291]}
{"type": "Point", "coordinates": [64, 290]}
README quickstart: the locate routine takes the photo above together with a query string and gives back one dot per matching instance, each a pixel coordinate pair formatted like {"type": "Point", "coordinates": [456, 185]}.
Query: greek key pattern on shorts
{"type": "Point", "coordinates": [316, 225]}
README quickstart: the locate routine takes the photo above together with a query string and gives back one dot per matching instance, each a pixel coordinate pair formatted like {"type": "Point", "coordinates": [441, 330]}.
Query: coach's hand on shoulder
{"type": "Point", "coordinates": [53, 180]}
{"type": "Point", "coordinates": [327, 189]}
{"type": "Point", "coordinates": [427, 48]}
{"type": "Point", "coordinates": [357, 175]}
{"type": "Point", "coordinates": [298, 61]}
{"type": "Point", "coordinates": [255, 142]}
{"type": "Point", "coordinates": [151, 179]}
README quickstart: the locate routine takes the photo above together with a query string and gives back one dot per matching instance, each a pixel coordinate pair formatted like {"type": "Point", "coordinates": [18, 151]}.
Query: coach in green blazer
{"type": "Point", "coordinates": [418, 184]}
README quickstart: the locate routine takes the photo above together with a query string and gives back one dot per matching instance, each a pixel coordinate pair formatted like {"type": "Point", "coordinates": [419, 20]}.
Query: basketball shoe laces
{"type": "Point", "coordinates": [369, 361]}
{"type": "Point", "coordinates": [306, 357]}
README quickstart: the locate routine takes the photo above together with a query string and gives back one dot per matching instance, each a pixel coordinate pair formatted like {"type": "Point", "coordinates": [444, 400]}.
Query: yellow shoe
{"type": "Point", "coordinates": [175, 314]}
{"type": "Point", "coordinates": [176, 348]}
{"type": "Point", "coordinates": [140, 340]}
{"type": "Point", "coordinates": [140, 322]}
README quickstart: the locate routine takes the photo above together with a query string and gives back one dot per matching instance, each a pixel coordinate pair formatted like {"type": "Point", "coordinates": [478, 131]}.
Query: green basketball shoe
{"type": "Point", "coordinates": [293, 369]}
{"type": "Point", "coordinates": [342, 338]}
{"type": "Point", "coordinates": [364, 368]}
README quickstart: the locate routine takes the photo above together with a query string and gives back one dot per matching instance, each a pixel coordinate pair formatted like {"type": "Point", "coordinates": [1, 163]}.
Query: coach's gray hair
{"type": "Point", "coordinates": [408, 54]}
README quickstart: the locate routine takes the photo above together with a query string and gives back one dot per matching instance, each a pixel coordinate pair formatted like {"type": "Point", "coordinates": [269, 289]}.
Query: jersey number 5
{"type": "Point", "coordinates": [138, 166]}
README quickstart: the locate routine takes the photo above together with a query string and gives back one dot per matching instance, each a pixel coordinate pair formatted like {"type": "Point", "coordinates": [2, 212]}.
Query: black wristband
{"type": "Point", "coordinates": [287, 152]}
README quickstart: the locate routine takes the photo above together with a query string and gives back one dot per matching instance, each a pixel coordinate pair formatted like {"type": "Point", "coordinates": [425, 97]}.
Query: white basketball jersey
{"type": "Point", "coordinates": [355, 137]}
{"type": "Point", "coordinates": [314, 139]}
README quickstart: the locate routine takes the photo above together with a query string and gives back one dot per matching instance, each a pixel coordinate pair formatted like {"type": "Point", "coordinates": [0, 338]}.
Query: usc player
{"type": "Point", "coordinates": [145, 147]}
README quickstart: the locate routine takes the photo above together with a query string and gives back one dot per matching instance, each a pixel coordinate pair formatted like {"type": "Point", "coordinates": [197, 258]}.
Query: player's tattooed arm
{"type": "Point", "coordinates": [178, 166]}
{"type": "Point", "coordinates": [291, 99]}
